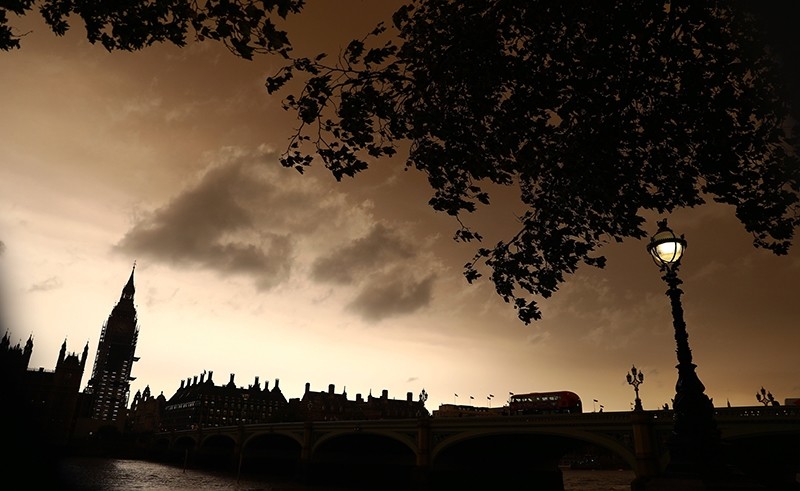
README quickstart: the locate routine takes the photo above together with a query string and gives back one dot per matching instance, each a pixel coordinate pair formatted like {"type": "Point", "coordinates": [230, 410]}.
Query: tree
{"type": "Point", "coordinates": [595, 111]}
{"type": "Point", "coordinates": [244, 27]}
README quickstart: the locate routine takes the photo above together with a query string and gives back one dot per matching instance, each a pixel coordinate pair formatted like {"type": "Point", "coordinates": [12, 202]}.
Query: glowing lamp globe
{"type": "Point", "coordinates": [665, 247]}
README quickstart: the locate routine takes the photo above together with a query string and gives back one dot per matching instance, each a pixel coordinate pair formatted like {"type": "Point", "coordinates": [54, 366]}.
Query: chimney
{"type": "Point", "coordinates": [277, 381]}
{"type": "Point", "coordinates": [256, 385]}
{"type": "Point", "coordinates": [266, 385]}
{"type": "Point", "coordinates": [202, 377]}
{"type": "Point", "coordinates": [308, 387]}
{"type": "Point", "coordinates": [385, 394]}
{"type": "Point", "coordinates": [195, 380]}
{"type": "Point", "coordinates": [409, 396]}
{"type": "Point", "coordinates": [182, 381]}
{"type": "Point", "coordinates": [210, 373]}
{"type": "Point", "coordinates": [231, 381]}
{"type": "Point", "coordinates": [359, 398]}
{"type": "Point", "coordinates": [330, 388]}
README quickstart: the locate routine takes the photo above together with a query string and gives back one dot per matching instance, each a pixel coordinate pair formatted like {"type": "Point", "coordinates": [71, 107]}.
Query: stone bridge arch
{"type": "Point", "coordinates": [185, 441]}
{"type": "Point", "coordinates": [510, 457]}
{"type": "Point", "coordinates": [176, 450]}
{"type": "Point", "coordinates": [409, 440]}
{"type": "Point", "coordinates": [768, 454]}
{"type": "Point", "coordinates": [271, 453]}
{"type": "Point", "coordinates": [290, 435]}
{"type": "Point", "coordinates": [363, 456]}
{"type": "Point", "coordinates": [602, 440]}
{"type": "Point", "coordinates": [216, 451]}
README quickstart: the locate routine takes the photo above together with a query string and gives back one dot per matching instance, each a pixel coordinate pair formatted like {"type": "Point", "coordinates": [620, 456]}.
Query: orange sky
{"type": "Point", "coordinates": [168, 157]}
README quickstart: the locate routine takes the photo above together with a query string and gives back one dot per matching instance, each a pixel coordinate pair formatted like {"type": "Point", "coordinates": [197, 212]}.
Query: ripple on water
{"type": "Point", "coordinates": [92, 474]}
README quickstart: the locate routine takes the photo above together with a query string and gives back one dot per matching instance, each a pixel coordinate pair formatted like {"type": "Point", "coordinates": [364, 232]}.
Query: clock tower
{"type": "Point", "coordinates": [109, 386]}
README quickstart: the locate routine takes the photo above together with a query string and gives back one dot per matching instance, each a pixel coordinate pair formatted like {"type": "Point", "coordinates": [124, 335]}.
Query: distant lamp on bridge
{"type": "Point", "coordinates": [694, 443]}
{"type": "Point", "coordinates": [766, 398]}
{"type": "Point", "coordinates": [635, 378]}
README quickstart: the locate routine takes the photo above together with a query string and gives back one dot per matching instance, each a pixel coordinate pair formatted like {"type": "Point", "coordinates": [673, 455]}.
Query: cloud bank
{"type": "Point", "coordinates": [247, 216]}
{"type": "Point", "coordinates": [214, 225]}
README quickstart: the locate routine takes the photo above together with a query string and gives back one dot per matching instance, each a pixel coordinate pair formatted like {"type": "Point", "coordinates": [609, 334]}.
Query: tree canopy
{"type": "Point", "coordinates": [594, 111]}
{"type": "Point", "coordinates": [245, 27]}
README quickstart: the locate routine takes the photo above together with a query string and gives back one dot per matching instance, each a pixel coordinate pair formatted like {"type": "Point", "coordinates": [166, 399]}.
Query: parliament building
{"type": "Point", "coordinates": [51, 407]}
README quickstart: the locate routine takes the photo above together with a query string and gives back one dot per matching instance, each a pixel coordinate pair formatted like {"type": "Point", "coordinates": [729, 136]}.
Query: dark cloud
{"type": "Point", "coordinates": [390, 295]}
{"type": "Point", "coordinates": [51, 283]}
{"type": "Point", "coordinates": [373, 252]}
{"type": "Point", "coordinates": [219, 224]}
{"type": "Point", "coordinates": [246, 218]}
{"type": "Point", "coordinates": [380, 266]}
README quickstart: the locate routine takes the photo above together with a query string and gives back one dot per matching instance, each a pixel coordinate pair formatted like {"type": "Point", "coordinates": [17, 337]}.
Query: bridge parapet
{"type": "Point", "coordinates": [540, 419]}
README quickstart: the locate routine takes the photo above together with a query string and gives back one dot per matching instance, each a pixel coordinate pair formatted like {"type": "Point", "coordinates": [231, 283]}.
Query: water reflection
{"type": "Point", "coordinates": [87, 474]}
{"type": "Point", "coordinates": [93, 474]}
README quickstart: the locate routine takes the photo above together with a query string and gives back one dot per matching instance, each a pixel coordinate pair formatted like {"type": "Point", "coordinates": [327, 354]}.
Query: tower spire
{"type": "Point", "coordinates": [63, 353]}
{"type": "Point", "coordinates": [129, 289]}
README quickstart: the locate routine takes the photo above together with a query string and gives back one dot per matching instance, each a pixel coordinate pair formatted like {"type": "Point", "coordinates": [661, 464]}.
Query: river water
{"type": "Point", "coordinates": [93, 474]}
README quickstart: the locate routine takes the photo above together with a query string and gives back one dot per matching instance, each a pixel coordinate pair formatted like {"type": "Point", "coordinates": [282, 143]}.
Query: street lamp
{"type": "Point", "coordinates": [694, 443]}
{"type": "Point", "coordinates": [635, 377]}
{"type": "Point", "coordinates": [766, 398]}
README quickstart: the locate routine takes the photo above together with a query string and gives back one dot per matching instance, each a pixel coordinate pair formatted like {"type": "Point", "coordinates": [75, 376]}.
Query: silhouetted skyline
{"type": "Point", "coordinates": [169, 157]}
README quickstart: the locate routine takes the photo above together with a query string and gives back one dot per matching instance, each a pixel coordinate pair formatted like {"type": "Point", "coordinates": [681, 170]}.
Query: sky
{"type": "Point", "coordinates": [168, 158]}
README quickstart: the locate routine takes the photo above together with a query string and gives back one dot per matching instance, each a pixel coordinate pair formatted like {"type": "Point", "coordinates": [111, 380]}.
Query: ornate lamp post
{"type": "Point", "coordinates": [694, 443]}
{"type": "Point", "coordinates": [635, 378]}
{"type": "Point", "coordinates": [766, 398]}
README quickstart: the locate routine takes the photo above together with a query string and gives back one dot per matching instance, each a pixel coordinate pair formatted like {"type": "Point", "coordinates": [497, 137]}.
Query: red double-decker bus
{"type": "Point", "coordinates": [545, 403]}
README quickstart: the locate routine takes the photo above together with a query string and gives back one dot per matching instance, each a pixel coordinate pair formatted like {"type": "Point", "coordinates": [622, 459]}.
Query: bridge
{"type": "Point", "coordinates": [449, 453]}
